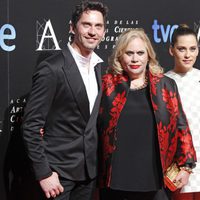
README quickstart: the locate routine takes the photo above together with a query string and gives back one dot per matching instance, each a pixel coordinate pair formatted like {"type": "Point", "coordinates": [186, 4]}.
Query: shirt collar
{"type": "Point", "coordinates": [92, 61]}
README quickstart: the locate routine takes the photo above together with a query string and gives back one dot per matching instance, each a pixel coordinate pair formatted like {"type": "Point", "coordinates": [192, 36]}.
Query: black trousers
{"type": "Point", "coordinates": [27, 188]}
{"type": "Point", "coordinates": [109, 194]}
{"type": "Point", "coordinates": [77, 190]}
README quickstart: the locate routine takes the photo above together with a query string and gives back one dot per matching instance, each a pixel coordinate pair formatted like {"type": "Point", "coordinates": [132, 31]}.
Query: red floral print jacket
{"type": "Point", "coordinates": [174, 137]}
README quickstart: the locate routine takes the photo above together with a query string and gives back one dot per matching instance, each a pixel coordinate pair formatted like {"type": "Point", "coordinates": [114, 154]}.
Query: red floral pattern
{"type": "Point", "coordinates": [170, 98]}
{"type": "Point", "coordinates": [115, 111]}
{"type": "Point", "coordinates": [154, 81]}
{"type": "Point", "coordinates": [109, 82]}
{"type": "Point", "coordinates": [186, 145]}
{"type": "Point", "coordinates": [168, 113]}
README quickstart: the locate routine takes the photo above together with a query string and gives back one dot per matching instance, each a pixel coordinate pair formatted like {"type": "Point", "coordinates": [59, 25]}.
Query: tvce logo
{"type": "Point", "coordinates": [7, 32]}
{"type": "Point", "coordinates": [162, 33]}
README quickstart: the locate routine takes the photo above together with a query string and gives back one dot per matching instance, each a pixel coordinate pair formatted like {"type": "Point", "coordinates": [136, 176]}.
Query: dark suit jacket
{"type": "Point", "coordinates": [58, 103]}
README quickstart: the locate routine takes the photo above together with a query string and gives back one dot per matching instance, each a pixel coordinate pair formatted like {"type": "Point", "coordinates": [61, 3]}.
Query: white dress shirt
{"type": "Point", "coordinates": [86, 67]}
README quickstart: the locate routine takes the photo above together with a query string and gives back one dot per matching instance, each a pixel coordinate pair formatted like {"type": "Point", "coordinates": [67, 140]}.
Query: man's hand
{"type": "Point", "coordinates": [51, 186]}
{"type": "Point", "coordinates": [182, 178]}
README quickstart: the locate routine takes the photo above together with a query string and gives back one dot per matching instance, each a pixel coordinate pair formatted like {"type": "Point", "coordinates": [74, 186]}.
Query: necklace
{"type": "Point", "coordinates": [141, 86]}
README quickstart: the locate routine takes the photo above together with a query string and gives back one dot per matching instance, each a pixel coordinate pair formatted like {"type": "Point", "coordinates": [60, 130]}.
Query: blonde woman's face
{"type": "Point", "coordinates": [135, 58]}
{"type": "Point", "coordinates": [185, 52]}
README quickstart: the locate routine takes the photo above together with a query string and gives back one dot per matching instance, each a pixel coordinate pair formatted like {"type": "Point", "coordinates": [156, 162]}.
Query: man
{"type": "Point", "coordinates": [64, 102]}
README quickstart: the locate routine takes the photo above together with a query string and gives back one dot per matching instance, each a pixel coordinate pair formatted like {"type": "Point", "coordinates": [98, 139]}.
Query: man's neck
{"type": "Point", "coordinates": [81, 51]}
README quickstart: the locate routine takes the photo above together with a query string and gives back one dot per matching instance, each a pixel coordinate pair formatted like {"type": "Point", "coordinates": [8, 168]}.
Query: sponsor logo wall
{"type": "Point", "coordinates": [32, 30]}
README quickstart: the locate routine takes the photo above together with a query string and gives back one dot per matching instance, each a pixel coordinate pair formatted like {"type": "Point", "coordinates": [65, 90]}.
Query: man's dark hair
{"type": "Point", "coordinates": [88, 5]}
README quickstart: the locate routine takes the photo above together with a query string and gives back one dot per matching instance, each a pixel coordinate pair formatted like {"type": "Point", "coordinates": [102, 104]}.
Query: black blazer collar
{"type": "Point", "coordinates": [76, 83]}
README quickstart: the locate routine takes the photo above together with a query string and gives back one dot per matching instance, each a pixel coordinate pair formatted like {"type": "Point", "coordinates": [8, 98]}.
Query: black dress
{"type": "Point", "coordinates": [136, 162]}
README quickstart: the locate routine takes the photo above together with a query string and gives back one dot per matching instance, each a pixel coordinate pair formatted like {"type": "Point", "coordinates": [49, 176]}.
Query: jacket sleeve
{"type": "Point", "coordinates": [37, 108]}
{"type": "Point", "coordinates": [185, 153]}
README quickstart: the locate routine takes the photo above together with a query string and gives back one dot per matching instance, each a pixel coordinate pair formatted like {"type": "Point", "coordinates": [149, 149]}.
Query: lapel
{"type": "Point", "coordinates": [98, 75]}
{"type": "Point", "coordinates": [99, 82]}
{"type": "Point", "coordinates": [156, 91]}
{"type": "Point", "coordinates": [76, 83]}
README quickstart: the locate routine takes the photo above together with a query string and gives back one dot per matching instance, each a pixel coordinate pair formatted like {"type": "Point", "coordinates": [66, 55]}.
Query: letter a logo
{"type": "Point", "coordinates": [48, 38]}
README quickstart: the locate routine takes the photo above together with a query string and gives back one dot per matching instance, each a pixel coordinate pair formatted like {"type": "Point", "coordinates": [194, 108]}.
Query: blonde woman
{"type": "Point", "coordinates": [142, 126]}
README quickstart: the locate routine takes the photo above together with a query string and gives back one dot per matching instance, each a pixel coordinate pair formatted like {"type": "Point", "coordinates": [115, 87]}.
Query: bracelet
{"type": "Point", "coordinates": [187, 169]}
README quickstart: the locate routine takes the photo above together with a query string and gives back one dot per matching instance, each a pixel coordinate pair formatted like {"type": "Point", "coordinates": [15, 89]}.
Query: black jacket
{"type": "Point", "coordinates": [58, 103]}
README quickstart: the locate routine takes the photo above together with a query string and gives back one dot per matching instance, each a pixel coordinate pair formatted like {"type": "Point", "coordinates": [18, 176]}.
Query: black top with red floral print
{"type": "Point", "coordinates": [174, 137]}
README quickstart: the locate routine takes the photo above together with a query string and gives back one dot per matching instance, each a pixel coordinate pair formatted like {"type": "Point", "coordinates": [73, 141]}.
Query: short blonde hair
{"type": "Point", "coordinates": [120, 46]}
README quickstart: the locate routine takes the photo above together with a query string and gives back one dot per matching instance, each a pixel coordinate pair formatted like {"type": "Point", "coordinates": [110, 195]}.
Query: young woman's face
{"type": "Point", "coordinates": [135, 58]}
{"type": "Point", "coordinates": [185, 52]}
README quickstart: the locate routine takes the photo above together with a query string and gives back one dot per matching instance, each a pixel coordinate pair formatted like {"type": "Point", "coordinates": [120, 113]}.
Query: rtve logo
{"type": "Point", "coordinates": [7, 32]}
{"type": "Point", "coordinates": [162, 33]}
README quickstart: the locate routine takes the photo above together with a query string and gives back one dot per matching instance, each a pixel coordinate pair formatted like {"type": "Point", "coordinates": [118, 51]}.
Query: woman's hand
{"type": "Point", "coordinates": [182, 178]}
